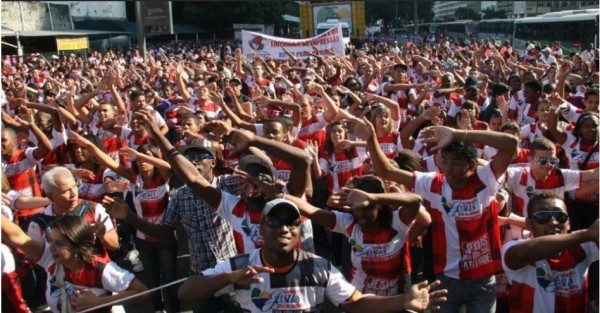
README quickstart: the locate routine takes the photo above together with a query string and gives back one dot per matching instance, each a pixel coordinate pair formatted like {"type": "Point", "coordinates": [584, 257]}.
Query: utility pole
{"type": "Point", "coordinates": [416, 18]}
{"type": "Point", "coordinates": [396, 14]}
{"type": "Point", "coordinates": [141, 38]}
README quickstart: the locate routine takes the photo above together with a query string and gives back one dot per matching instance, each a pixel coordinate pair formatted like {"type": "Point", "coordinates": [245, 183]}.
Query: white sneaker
{"type": "Point", "coordinates": [138, 267]}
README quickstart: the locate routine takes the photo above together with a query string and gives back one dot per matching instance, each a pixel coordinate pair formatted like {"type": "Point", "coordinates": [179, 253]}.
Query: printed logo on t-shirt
{"type": "Point", "coordinates": [476, 253]}
{"type": "Point", "coordinates": [280, 300]}
{"type": "Point", "coordinates": [355, 247]}
{"type": "Point", "coordinates": [530, 191]}
{"type": "Point", "coordinates": [252, 232]}
{"type": "Point", "coordinates": [545, 279]}
{"type": "Point", "coordinates": [462, 209]}
{"type": "Point", "coordinates": [55, 286]}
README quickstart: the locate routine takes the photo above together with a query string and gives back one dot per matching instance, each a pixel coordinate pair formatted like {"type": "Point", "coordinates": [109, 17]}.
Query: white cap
{"type": "Point", "coordinates": [530, 46]}
{"type": "Point", "coordinates": [280, 202]}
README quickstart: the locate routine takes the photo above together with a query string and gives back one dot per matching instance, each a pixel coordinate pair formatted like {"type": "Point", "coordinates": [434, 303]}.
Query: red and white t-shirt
{"type": "Point", "coordinates": [551, 285]}
{"type": "Point", "coordinates": [524, 186]}
{"type": "Point", "coordinates": [20, 171]}
{"type": "Point", "coordinates": [577, 152]}
{"type": "Point", "coordinates": [464, 223]}
{"type": "Point", "coordinates": [150, 200]}
{"type": "Point", "coordinates": [111, 142]}
{"type": "Point", "coordinates": [313, 129]}
{"type": "Point", "coordinates": [131, 140]}
{"type": "Point", "coordinates": [520, 180]}
{"type": "Point", "coordinates": [391, 144]}
{"type": "Point", "coordinates": [101, 277]}
{"type": "Point", "coordinates": [92, 189]}
{"type": "Point", "coordinates": [377, 257]}
{"type": "Point", "coordinates": [517, 102]}
{"type": "Point", "coordinates": [339, 167]}
{"type": "Point", "coordinates": [211, 109]}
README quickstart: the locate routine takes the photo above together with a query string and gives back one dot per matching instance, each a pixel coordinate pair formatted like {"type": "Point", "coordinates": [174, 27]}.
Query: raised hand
{"type": "Point", "coordinates": [502, 103]}
{"type": "Point", "coordinates": [131, 154]}
{"type": "Point", "coordinates": [79, 140]}
{"type": "Point", "coordinates": [313, 148]}
{"type": "Point", "coordinates": [441, 136]}
{"type": "Point", "coordinates": [83, 173]}
{"type": "Point", "coordinates": [149, 122]}
{"type": "Point", "coordinates": [431, 113]}
{"type": "Point", "coordinates": [354, 198]}
{"type": "Point", "coordinates": [115, 207]}
{"type": "Point", "coordinates": [344, 144]}
{"type": "Point", "coordinates": [241, 139]}
{"type": "Point", "coordinates": [363, 128]}
{"type": "Point", "coordinates": [98, 226]}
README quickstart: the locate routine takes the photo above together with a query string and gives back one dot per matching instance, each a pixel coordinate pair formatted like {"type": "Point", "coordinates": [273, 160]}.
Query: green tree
{"type": "Point", "coordinates": [466, 14]}
{"type": "Point", "coordinates": [386, 10]}
{"type": "Point", "coordinates": [492, 13]}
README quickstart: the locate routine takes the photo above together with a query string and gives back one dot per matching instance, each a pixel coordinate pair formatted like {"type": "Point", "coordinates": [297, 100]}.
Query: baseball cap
{"type": "Point", "coordinates": [281, 204]}
{"type": "Point", "coordinates": [258, 167]}
{"type": "Point", "coordinates": [199, 144]}
{"type": "Point", "coordinates": [547, 49]}
{"type": "Point", "coordinates": [530, 46]}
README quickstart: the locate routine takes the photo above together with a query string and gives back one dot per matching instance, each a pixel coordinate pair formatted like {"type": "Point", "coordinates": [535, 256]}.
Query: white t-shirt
{"type": "Point", "coordinates": [302, 289]}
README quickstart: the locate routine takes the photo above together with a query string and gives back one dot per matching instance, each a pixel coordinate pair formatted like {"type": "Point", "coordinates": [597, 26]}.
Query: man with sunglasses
{"type": "Point", "coordinates": [548, 273]}
{"type": "Point", "coordinates": [280, 278]}
{"type": "Point", "coordinates": [543, 174]}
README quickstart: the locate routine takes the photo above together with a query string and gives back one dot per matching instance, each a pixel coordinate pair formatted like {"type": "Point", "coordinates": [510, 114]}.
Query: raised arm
{"type": "Point", "coordinates": [104, 159]}
{"type": "Point", "coordinates": [44, 144]}
{"type": "Point", "coordinates": [383, 167]}
{"type": "Point", "coordinates": [182, 167]}
{"type": "Point", "coordinates": [299, 182]}
{"type": "Point", "coordinates": [506, 144]}
{"type": "Point", "coordinates": [544, 247]}
{"type": "Point", "coordinates": [15, 236]}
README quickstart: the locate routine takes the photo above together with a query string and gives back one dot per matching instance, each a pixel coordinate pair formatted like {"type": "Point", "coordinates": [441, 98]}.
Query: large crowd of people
{"type": "Point", "coordinates": [449, 177]}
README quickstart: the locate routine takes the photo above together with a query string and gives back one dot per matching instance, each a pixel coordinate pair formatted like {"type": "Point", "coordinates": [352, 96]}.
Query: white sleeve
{"type": "Point", "coordinates": [116, 279]}
{"type": "Point", "coordinates": [31, 161]}
{"type": "Point", "coordinates": [572, 179]}
{"type": "Point", "coordinates": [510, 273]}
{"type": "Point", "coordinates": [487, 176]}
{"type": "Point", "coordinates": [514, 104]}
{"type": "Point", "coordinates": [101, 215]}
{"type": "Point", "coordinates": [159, 119]}
{"type": "Point", "coordinates": [422, 182]}
{"type": "Point", "coordinates": [58, 138]}
{"type": "Point", "coordinates": [342, 221]}
{"type": "Point", "coordinates": [398, 225]}
{"type": "Point", "coordinates": [260, 129]}
{"type": "Point", "coordinates": [35, 232]}
{"type": "Point", "coordinates": [454, 109]}
{"type": "Point", "coordinates": [228, 202]}
{"type": "Point", "coordinates": [324, 166]}
{"type": "Point", "coordinates": [338, 289]}
{"type": "Point", "coordinates": [221, 267]}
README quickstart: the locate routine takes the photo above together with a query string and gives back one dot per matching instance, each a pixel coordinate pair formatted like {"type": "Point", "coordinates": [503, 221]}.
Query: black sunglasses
{"type": "Point", "coordinates": [544, 160]}
{"type": "Point", "coordinates": [543, 217]}
{"type": "Point", "coordinates": [276, 222]}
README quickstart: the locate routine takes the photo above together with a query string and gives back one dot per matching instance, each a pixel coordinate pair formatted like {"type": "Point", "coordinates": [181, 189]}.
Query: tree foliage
{"type": "Point", "coordinates": [466, 14]}
{"type": "Point", "coordinates": [492, 13]}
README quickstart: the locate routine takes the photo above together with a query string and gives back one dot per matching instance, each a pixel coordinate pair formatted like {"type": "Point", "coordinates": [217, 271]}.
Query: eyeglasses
{"type": "Point", "coordinates": [276, 222]}
{"type": "Point", "coordinates": [543, 217]}
{"type": "Point", "coordinates": [544, 160]}
{"type": "Point", "coordinates": [197, 159]}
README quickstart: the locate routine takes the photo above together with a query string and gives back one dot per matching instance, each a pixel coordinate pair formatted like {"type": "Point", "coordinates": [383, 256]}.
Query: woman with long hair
{"type": "Point", "coordinates": [77, 279]}
{"type": "Point", "coordinates": [149, 196]}
{"type": "Point", "coordinates": [338, 161]}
